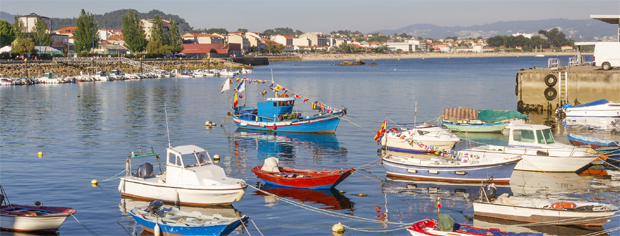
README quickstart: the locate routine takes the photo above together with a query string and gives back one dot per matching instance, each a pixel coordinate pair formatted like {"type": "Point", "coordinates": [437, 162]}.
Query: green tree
{"type": "Point", "coordinates": [41, 26]}
{"type": "Point", "coordinates": [156, 47]}
{"type": "Point", "coordinates": [157, 31]}
{"type": "Point", "coordinates": [242, 30]}
{"type": "Point", "coordinates": [555, 37]}
{"type": "Point", "coordinates": [86, 32]}
{"type": "Point", "coordinates": [19, 28]}
{"type": "Point", "coordinates": [23, 46]}
{"type": "Point", "coordinates": [7, 34]}
{"type": "Point", "coordinates": [175, 37]}
{"type": "Point", "coordinates": [133, 32]}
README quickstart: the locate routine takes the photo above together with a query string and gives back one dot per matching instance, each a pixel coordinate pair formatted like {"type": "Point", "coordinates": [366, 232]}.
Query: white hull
{"type": "Point", "coordinates": [551, 216]}
{"type": "Point", "coordinates": [558, 160]}
{"type": "Point", "coordinates": [411, 141]}
{"type": "Point", "coordinates": [604, 110]}
{"type": "Point", "coordinates": [184, 195]}
{"type": "Point", "coordinates": [30, 223]}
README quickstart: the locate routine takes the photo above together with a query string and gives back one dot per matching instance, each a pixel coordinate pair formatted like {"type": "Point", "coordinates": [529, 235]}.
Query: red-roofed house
{"type": "Point", "coordinates": [67, 30]}
{"type": "Point", "coordinates": [284, 40]}
{"type": "Point", "coordinates": [203, 50]}
{"type": "Point", "coordinates": [116, 39]}
{"type": "Point", "coordinates": [209, 39]}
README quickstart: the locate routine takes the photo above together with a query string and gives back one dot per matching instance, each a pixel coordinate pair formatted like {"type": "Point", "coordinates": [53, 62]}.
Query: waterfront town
{"type": "Point", "coordinates": [311, 45]}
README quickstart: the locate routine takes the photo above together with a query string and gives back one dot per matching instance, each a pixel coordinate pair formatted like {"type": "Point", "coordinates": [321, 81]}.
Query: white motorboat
{"type": "Point", "coordinates": [539, 151]}
{"type": "Point", "coordinates": [190, 178]}
{"type": "Point", "coordinates": [600, 108]}
{"type": "Point", "coordinates": [418, 140]}
{"type": "Point", "coordinates": [245, 71]}
{"type": "Point", "coordinates": [226, 72]}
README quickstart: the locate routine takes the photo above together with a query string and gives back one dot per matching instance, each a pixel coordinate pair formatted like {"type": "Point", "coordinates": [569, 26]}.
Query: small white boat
{"type": "Point", "coordinates": [547, 211]}
{"type": "Point", "coordinates": [540, 55]}
{"type": "Point", "coordinates": [190, 178]}
{"type": "Point", "coordinates": [539, 151]}
{"type": "Point", "coordinates": [101, 76]}
{"type": "Point", "coordinates": [600, 108]}
{"type": "Point", "coordinates": [226, 72]}
{"type": "Point", "coordinates": [21, 218]}
{"type": "Point", "coordinates": [245, 71]}
{"type": "Point", "coordinates": [418, 140]}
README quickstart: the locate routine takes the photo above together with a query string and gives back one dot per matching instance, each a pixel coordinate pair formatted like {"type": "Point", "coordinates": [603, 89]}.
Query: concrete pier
{"type": "Point", "coordinates": [543, 90]}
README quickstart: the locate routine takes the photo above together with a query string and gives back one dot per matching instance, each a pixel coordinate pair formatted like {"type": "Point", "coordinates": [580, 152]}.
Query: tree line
{"type": "Point", "coordinates": [554, 38]}
{"type": "Point", "coordinates": [113, 19]}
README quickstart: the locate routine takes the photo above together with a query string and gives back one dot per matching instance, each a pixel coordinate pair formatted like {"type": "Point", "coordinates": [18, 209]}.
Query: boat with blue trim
{"type": "Point", "coordinates": [588, 141]}
{"type": "Point", "coordinates": [171, 221]}
{"type": "Point", "coordinates": [420, 139]}
{"type": "Point", "coordinates": [600, 108]}
{"type": "Point", "coordinates": [276, 114]}
{"type": "Point", "coordinates": [465, 167]}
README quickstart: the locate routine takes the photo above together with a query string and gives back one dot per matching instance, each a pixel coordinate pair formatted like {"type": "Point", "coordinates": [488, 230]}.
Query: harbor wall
{"type": "Point", "coordinates": [583, 84]}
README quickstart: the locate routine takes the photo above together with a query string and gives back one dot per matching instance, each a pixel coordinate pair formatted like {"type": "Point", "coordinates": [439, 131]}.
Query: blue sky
{"type": "Point", "coordinates": [329, 15]}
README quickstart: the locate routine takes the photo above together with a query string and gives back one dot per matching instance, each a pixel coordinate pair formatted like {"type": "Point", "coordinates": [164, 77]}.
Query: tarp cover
{"type": "Point", "coordinates": [271, 165]}
{"type": "Point", "coordinates": [487, 116]}
{"type": "Point", "coordinates": [595, 103]}
{"type": "Point", "coordinates": [446, 223]}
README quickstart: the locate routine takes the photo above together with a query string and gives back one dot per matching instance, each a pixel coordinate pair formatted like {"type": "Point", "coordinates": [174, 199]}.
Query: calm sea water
{"type": "Point", "coordinates": [87, 130]}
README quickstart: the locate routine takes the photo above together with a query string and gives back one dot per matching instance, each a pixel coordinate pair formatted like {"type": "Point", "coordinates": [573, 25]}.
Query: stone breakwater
{"type": "Point", "coordinates": [28, 69]}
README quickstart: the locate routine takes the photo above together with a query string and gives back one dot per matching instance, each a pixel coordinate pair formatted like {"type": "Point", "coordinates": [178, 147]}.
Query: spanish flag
{"type": "Point", "coordinates": [235, 100]}
{"type": "Point", "coordinates": [381, 130]}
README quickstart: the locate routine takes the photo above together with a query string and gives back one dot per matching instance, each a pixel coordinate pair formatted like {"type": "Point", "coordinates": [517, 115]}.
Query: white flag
{"type": "Point", "coordinates": [241, 87]}
{"type": "Point", "coordinates": [226, 85]}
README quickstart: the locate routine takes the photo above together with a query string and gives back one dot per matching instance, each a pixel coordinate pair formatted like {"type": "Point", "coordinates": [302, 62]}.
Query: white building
{"type": "Point", "coordinates": [404, 46]}
{"type": "Point", "coordinates": [30, 21]}
{"type": "Point", "coordinates": [148, 24]}
{"type": "Point", "coordinates": [529, 36]}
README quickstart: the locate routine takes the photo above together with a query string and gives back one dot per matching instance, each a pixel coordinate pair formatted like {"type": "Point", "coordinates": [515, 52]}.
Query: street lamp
{"type": "Point", "coordinates": [93, 37]}
{"type": "Point", "coordinates": [39, 43]}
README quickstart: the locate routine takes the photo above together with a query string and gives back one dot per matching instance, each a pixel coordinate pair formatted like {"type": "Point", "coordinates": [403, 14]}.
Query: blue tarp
{"type": "Point", "coordinates": [595, 103]}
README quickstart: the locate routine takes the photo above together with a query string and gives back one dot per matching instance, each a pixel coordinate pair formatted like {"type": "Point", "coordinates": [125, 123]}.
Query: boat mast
{"type": "Point", "coordinates": [167, 130]}
{"type": "Point", "coordinates": [275, 93]}
{"type": "Point", "coordinates": [415, 114]}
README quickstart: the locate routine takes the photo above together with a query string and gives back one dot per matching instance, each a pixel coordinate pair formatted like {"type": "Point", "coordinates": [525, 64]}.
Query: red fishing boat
{"type": "Point", "coordinates": [311, 179]}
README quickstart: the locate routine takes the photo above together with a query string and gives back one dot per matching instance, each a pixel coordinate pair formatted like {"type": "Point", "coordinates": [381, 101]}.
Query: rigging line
{"type": "Point", "coordinates": [394, 122]}
{"type": "Point", "coordinates": [246, 228]}
{"type": "Point", "coordinates": [344, 117]}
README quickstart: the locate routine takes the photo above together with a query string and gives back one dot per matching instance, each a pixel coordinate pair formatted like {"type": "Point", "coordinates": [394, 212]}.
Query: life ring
{"type": "Point", "coordinates": [550, 93]}
{"type": "Point", "coordinates": [563, 205]}
{"type": "Point", "coordinates": [551, 80]}
{"type": "Point", "coordinates": [283, 95]}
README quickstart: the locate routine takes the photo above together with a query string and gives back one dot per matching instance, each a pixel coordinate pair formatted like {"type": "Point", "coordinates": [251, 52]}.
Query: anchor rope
{"type": "Point", "coordinates": [344, 117]}
{"type": "Point", "coordinates": [90, 231]}
{"type": "Point", "coordinates": [116, 176]}
{"type": "Point", "coordinates": [119, 223]}
{"type": "Point", "coordinates": [256, 227]}
{"type": "Point", "coordinates": [322, 211]}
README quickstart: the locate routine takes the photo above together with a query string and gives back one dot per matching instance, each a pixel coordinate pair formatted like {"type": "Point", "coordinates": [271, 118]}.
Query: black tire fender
{"type": "Point", "coordinates": [551, 80]}
{"type": "Point", "coordinates": [550, 93]}
{"type": "Point", "coordinates": [517, 90]}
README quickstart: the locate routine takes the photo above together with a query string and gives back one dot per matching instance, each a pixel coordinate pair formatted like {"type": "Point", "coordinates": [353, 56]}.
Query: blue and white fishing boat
{"type": "Point", "coordinates": [277, 114]}
{"type": "Point", "coordinates": [465, 167]}
{"type": "Point", "coordinates": [171, 221]}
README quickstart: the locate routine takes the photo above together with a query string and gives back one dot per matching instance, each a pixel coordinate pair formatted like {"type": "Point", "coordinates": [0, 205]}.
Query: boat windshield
{"type": "Point", "coordinates": [544, 136]}
{"type": "Point", "coordinates": [523, 135]}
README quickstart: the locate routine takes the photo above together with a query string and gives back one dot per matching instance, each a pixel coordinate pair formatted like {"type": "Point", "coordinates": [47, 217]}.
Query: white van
{"type": "Point", "coordinates": [607, 54]}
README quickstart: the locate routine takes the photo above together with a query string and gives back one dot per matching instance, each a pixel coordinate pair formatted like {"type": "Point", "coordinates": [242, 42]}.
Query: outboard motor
{"type": "Point", "coordinates": [145, 170]}
{"type": "Point", "coordinates": [154, 206]}
{"type": "Point", "coordinates": [490, 190]}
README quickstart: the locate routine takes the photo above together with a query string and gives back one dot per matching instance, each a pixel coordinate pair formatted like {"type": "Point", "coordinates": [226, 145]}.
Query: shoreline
{"type": "Point", "coordinates": [334, 57]}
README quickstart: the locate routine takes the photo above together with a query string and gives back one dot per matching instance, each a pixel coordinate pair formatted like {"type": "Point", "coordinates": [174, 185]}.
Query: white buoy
{"type": "Point", "coordinates": [157, 230]}
{"type": "Point", "coordinates": [216, 157]}
{"type": "Point", "coordinates": [338, 228]}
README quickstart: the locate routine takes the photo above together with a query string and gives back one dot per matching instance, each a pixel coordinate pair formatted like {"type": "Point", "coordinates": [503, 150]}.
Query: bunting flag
{"type": "Point", "coordinates": [237, 79]}
{"type": "Point", "coordinates": [307, 99]}
{"type": "Point", "coordinates": [263, 92]}
{"type": "Point", "coordinates": [235, 100]}
{"type": "Point", "coordinates": [226, 85]}
{"type": "Point", "coordinates": [278, 87]}
{"type": "Point", "coordinates": [241, 86]}
{"type": "Point", "coordinates": [231, 81]}
{"type": "Point", "coordinates": [381, 130]}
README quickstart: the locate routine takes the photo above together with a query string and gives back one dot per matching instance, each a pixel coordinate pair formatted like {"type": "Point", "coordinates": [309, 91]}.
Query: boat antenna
{"type": "Point", "coordinates": [415, 114]}
{"type": "Point", "coordinates": [168, 130]}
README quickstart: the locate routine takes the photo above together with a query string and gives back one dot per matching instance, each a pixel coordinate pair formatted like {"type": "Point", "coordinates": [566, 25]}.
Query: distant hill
{"type": "Point", "coordinates": [579, 30]}
{"type": "Point", "coordinates": [110, 20]}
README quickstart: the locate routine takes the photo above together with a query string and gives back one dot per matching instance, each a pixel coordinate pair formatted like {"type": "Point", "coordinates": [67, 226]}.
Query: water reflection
{"type": "Point", "coordinates": [89, 112]}
{"type": "Point", "coordinates": [592, 123]}
{"type": "Point", "coordinates": [328, 199]}
{"type": "Point", "coordinates": [516, 226]}
{"type": "Point", "coordinates": [435, 189]}
{"type": "Point", "coordinates": [286, 146]}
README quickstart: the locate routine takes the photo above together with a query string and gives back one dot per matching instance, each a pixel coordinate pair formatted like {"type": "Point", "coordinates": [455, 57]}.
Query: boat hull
{"type": "Point", "coordinates": [611, 110]}
{"type": "Point", "coordinates": [322, 124]}
{"type": "Point", "coordinates": [537, 215]}
{"type": "Point", "coordinates": [318, 179]}
{"type": "Point", "coordinates": [188, 196]}
{"type": "Point", "coordinates": [580, 140]}
{"type": "Point", "coordinates": [477, 128]}
{"type": "Point", "coordinates": [542, 163]}
{"type": "Point", "coordinates": [45, 223]}
{"type": "Point", "coordinates": [460, 174]}
{"type": "Point", "coordinates": [400, 145]}
{"type": "Point", "coordinates": [169, 230]}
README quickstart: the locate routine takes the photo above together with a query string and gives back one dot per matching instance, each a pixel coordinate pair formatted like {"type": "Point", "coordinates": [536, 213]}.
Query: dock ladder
{"type": "Point", "coordinates": [562, 87]}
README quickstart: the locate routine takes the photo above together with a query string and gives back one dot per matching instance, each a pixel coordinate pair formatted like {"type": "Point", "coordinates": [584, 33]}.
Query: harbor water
{"type": "Point", "coordinates": [86, 131]}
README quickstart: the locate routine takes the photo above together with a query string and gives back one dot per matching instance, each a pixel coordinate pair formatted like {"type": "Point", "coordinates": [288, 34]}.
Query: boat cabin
{"type": "Point", "coordinates": [267, 111]}
{"type": "Point", "coordinates": [192, 165]}
{"type": "Point", "coordinates": [527, 135]}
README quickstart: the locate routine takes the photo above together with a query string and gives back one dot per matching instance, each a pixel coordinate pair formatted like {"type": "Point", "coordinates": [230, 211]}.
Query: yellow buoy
{"type": "Point", "coordinates": [40, 154]}
{"type": "Point", "coordinates": [94, 183]}
{"type": "Point", "coordinates": [37, 203]}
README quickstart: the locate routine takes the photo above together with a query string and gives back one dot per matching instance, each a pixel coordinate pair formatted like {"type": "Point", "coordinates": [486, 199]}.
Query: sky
{"type": "Point", "coordinates": [328, 15]}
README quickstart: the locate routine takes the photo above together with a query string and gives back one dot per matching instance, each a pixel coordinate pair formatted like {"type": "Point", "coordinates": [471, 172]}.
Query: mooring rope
{"type": "Point", "coordinates": [116, 176]}
{"type": "Point", "coordinates": [344, 117]}
{"type": "Point", "coordinates": [90, 231]}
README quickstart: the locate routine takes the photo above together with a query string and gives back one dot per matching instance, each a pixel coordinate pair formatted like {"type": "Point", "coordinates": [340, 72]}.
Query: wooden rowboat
{"type": "Point", "coordinates": [296, 178]}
